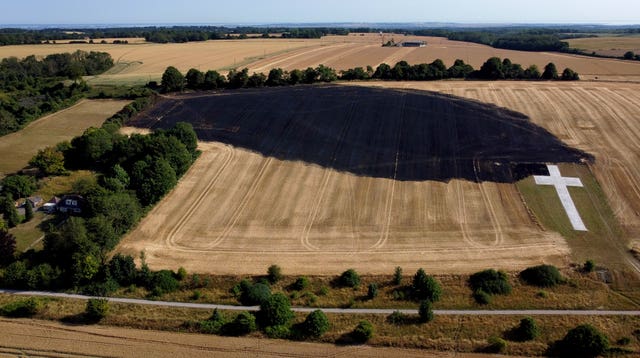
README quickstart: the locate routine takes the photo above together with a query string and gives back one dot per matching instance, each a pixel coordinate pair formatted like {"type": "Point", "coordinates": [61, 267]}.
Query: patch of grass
{"type": "Point", "coordinates": [599, 243]}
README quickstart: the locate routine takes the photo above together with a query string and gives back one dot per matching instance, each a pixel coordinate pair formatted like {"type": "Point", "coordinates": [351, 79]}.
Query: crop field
{"type": "Point", "coordinates": [607, 45]}
{"type": "Point", "coordinates": [320, 179]}
{"type": "Point", "coordinates": [16, 149]}
{"type": "Point", "coordinates": [143, 62]}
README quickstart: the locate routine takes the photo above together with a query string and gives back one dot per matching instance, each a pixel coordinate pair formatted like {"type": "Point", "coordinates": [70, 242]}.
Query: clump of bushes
{"type": "Point", "coordinates": [274, 273]}
{"type": "Point", "coordinates": [542, 276]}
{"type": "Point", "coordinates": [425, 287]}
{"type": "Point", "coordinates": [489, 282]}
{"type": "Point", "coordinates": [250, 294]}
{"type": "Point", "coordinates": [581, 341]}
{"type": "Point", "coordinates": [315, 325]}
{"type": "Point", "coordinates": [527, 330]}
{"type": "Point", "coordinates": [22, 308]}
{"type": "Point", "coordinates": [301, 283]}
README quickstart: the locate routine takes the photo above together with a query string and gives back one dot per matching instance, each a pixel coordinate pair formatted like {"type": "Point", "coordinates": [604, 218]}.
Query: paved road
{"type": "Point", "coordinates": [385, 311]}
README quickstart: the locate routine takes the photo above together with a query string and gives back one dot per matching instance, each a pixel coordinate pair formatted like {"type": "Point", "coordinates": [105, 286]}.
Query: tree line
{"type": "Point", "coordinates": [493, 69]}
{"type": "Point", "coordinates": [32, 87]}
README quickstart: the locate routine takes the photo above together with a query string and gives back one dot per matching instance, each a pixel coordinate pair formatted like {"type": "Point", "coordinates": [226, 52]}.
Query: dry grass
{"type": "Point", "coordinates": [16, 149]}
{"type": "Point", "coordinates": [445, 333]}
{"type": "Point", "coordinates": [607, 45]}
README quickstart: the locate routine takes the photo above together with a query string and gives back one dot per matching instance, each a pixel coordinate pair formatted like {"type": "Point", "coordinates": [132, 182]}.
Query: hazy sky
{"type": "Point", "coordinates": [288, 11]}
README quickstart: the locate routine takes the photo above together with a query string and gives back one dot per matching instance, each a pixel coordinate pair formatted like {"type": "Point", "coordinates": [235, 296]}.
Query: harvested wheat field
{"type": "Point", "coordinates": [322, 178]}
{"type": "Point", "coordinates": [16, 149]}
{"type": "Point", "coordinates": [32, 338]}
{"type": "Point", "coordinates": [143, 62]}
{"type": "Point", "coordinates": [607, 45]}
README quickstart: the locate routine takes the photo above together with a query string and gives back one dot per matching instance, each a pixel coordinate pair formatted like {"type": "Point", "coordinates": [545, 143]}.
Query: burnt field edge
{"type": "Point", "coordinates": [405, 135]}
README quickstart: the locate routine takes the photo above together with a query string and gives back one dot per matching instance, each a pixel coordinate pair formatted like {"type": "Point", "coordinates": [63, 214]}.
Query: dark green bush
{"type": "Point", "coordinates": [582, 341]}
{"type": "Point", "coordinates": [350, 278]}
{"type": "Point", "coordinates": [316, 324]}
{"type": "Point", "coordinates": [397, 318]}
{"type": "Point", "coordinates": [372, 291]}
{"type": "Point", "coordinates": [22, 308]}
{"type": "Point", "coordinates": [425, 311]}
{"type": "Point", "coordinates": [589, 266]}
{"type": "Point", "coordinates": [301, 283]}
{"type": "Point", "coordinates": [527, 330]}
{"type": "Point", "coordinates": [542, 276]}
{"type": "Point", "coordinates": [274, 273]}
{"type": "Point", "coordinates": [275, 311]}
{"type": "Point", "coordinates": [425, 287]}
{"type": "Point", "coordinates": [163, 282]}
{"type": "Point", "coordinates": [490, 281]}
{"type": "Point", "coordinates": [243, 324]}
{"type": "Point", "coordinates": [397, 276]}
{"type": "Point", "coordinates": [96, 309]}
{"type": "Point", "coordinates": [496, 345]}
{"type": "Point", "coordinates": [278, 332]}
{"type": "Point", "coordinates": [481, 297]}
{"type": "Point", "coordinates": [363, 332]}
{"type": "Point", "coordinates": [255, 294]}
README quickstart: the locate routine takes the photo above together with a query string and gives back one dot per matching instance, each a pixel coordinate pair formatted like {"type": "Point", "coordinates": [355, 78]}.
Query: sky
{"type": "Point", "coordinates": [44, 12]}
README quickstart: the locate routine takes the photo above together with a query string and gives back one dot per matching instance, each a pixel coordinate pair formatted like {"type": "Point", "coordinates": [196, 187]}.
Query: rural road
{"type": "Point", "coordinates": [384, 311]}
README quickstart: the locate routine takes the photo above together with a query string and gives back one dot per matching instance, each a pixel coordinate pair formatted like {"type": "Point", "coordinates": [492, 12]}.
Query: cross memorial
{"type": "Point", "coordinates": [561, 184]}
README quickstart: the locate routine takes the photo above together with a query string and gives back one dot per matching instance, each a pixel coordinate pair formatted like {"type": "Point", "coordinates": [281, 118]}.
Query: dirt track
{"type": "Point", "coordinates": [31, 338]}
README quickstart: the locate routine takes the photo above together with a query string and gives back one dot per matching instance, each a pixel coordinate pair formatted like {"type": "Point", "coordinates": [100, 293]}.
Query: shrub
{"type": "Point", "coordinates": [481, 297]}
{"type": "Point", "coordinates": [278, 332]}
{"type": "Point", "coordinates": [490, 281]}
{"type": "Point", "coordinates": [214, 324]}
{"type": "Point", "coordinates": [425, 287]}
{"type": "Point", "coordinates": [275, 311]}
{"type": "Point", "coordinates": [196, 295]}
{"type": "Point", "coordinates": [623, 341]}
{"type": "Point", "coordinates": [589, 266]}
{"type": "Point", "coordinates": [542, 276]}
{"type": "Point", "coordinates": [350, 278]}
{"type": "Point", "coordinates": [324, 290]}
{"type": "Point", "coordinates": [181, 274]}
{"type": "Point", "coordinates": [496, 345]}
{"type": "Point", "coordinates": [255, 294]}
{"type": "Point", "coordinates": [301, 283]}
{"type": "Point", "coordinates": [96, 309]}
{"type": "Point", "coordinates": [397, 276]}
{"type": "Point", "coordinates": [244, 323]}
{"type": "Point", "coordinates": [163, 282]}
{"type": "Point", "coordinates": [527, 330]}
{"type": "Point", "coordinates": [316, 324]}
{"type": "Point", "coordinates": [22, 308]}
{"type": "Point", "coordinates": [582, 341]}
{"type": "Point", "coordinates": [397, 318]}
{"type": "Point", "coordinates": [372, 291]}
{"type": "Point", "coordinates": [274, 273]}
{"type": "Point", "coordinates": [363, 332]}
{"type": "Point", "coordinates": [425, 311]}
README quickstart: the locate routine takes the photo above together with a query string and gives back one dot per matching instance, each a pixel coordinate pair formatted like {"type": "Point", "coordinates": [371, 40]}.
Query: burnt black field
{"type": "Point", "coordinates": [397, 134]}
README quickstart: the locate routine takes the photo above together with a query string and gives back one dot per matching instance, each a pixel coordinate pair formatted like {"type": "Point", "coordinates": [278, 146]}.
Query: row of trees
{"type": "Point", "coordinates": [494, 69]}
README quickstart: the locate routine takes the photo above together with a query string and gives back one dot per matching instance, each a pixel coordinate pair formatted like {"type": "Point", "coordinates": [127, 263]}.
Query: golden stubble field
{"type": "Point", "coordinates": [143, 62]}
{"type": "Point", "coordinates": [607, 45]}
{"type": "Point", "coordinates": [237, 211]}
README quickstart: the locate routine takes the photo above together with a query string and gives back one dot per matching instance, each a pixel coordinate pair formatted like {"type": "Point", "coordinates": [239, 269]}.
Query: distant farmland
{"type": "Point", "coordinates": [143, 62]}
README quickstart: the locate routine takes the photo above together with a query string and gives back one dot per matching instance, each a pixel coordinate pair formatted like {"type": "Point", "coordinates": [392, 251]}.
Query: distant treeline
{"type": "Point", "coordinates": [176, 34]}
{"type": "Point", "coordinates": [493, 69]}
{"type": "Point", "coordinates": [32, 87]}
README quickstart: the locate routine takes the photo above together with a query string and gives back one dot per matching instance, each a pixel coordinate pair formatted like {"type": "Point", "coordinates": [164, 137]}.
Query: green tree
{"type": "Point", "coordinates": [532, 73]}
{"type": "Point", "coordinates": [316, 324]}
{"type": "Point", "coordinates": [195, 79]}
{"type": "Point", "coordinates": [9, 211]}
{"type": "Point", "coordinates": [184, 132]}
{"type": "Point", "coordinates": [425, 311]}
{"type": "Point", "coordinates": [301, 283]}
{"type": "Point", "coordinates": [96, 309]}
{"type": "Point", "coordinates": [18, 186]}
{"type": "Point", "coordinates": [123, 269]}
{"type": "Point", "coordinates": [90, 148]}
{"type": "Point", "coordinates": [295, 77]}
{"type": "Point", "coordinates": [276, 311]}
{"type": "Point", "coordinates": [244, 323]}
{"type": "Point", "coordinates": [550, 72]}
{"type": "Point", "coordinates": [570, 75]}
{"type": "Point", "coordinates": [117, 179]}
{"type": "Point", "coordinates": [152, 179]}
{"type": "Point", "coordinates": [85, 267]}
{"type": "Point", "coordinates": [28, 210]}
{"type": "Point", "coordinates": [459, 69]}
{"type": "Point", "coordinates": [349, 278]}
{"type": "Point", "coordinates": [326, 74]}
{"type": "Point", "coordinates": [583, 341]}
{"type": "Point", "coordinates": [629, 55]}
{"type": "Point", "coordinates": [276, 78]}
{"type": "Point", "coordinates": [397, 276]}
{"type": "Point", "coordinates": [50, 161]}
{"type": "Point", "coordinates": [310, 75]}
{"type": "Point", "coordinates": [256, 80]}
{"type": "Point", "coordinates": [372, 291]}
{"type": "Point", "coordinates": [213, 80]}
{"type": "Point", "coordinates": [274, 273]}
{"type": "Point", "coordinates": [425, 287]}
{"type": "Point", "coordinates": [363, 331]}
{"type": "Point", "coordinates": [172, 80]}
{"type": "Point", "coordinates": [7, 247]}
{"type": "Point", "coordinates": [238, 79]}
{"type": "Point", "coordinates": [383, 72]}
{"type": "Point", "coordinates": [492, 69]}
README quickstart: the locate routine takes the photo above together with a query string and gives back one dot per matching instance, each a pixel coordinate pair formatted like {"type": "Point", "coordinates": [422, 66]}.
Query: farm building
{"type": "Point", "coordinates": [414, 44]}
{"type": "Point", "coordinates": [71, 204]}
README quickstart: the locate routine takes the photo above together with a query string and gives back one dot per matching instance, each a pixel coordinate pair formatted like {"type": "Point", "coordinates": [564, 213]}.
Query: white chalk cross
{"type": "Point", "coordinates": [561, 184]}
